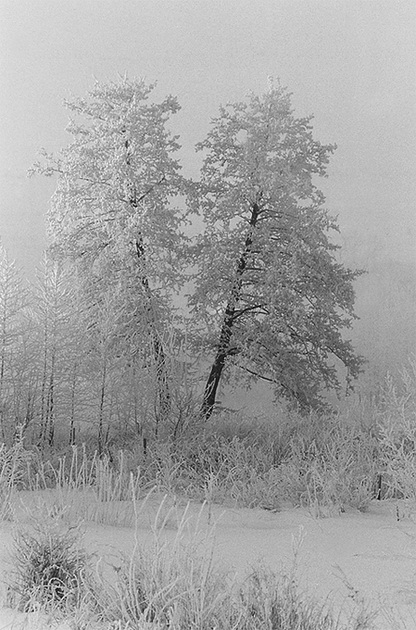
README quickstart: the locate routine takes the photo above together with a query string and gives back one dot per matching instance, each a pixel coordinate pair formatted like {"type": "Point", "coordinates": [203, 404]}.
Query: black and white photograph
{"type": "Point", "coordinates": [207, 315]}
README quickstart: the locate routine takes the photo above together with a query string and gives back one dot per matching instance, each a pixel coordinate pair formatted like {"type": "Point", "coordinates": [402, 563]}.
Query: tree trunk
{"type": "Point", "coordinates": [72, 414]}
{"type": "Point", "coordinates": [51, 408]}
{"type": "Point", "coordinates": [162, 376]}
{"type": "Point", "coordinates": [223, 348]}
{"type": "Point", "coordinates": [43, 411]}
{"type": "Point", "coordinates": [100, 444]}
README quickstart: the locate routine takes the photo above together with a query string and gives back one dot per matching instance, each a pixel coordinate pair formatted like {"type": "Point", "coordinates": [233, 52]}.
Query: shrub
{"type": "Point", "coordinates": [332, 464]}
{"type": "Point", "coordinates": [397, 434]}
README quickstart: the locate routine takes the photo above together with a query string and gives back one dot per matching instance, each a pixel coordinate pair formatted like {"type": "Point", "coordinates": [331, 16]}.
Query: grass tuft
{"type": "Point", "coordinates": [50, 569]}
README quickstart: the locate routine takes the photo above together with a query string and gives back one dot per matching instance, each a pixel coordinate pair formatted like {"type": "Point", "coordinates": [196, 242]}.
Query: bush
{"type": "Point", "coordinates": [397, 434]}
{"type": "Point", "coordinates": [332, 465]}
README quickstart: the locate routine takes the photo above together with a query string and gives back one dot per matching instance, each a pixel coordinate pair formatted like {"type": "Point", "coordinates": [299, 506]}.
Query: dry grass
{"type": "Point", "coordinates": [12, 466]}
{"type": "Point", "coordinates": [328, 464]}
{"type": "Point", "coordinates": [325, 463]}
{"type": "Point", "coordinates": [397, 434]}
{"type": "Point", "coordinates": [48, 571]}
{"type": "Point", "coordinates": [171, 585]}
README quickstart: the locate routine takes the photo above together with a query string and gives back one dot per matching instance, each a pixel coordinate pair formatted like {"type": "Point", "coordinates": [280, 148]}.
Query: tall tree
{"type": "Point", "coordinates": [268, 286]}
{"type": "Point", "coordinates": [112, 210]}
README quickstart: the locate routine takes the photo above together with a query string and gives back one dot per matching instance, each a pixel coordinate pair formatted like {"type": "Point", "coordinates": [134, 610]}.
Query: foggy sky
{"type": "Point", "coordinates": [351, 63]}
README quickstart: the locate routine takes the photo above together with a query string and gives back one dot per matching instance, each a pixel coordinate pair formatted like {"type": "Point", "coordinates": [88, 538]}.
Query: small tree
{"type": "Point", "coordinates": [54, 307]}
{"type": "Point", "coordinates": [272, 295]}
{"type": "Point", "coordinates": [13, 302]}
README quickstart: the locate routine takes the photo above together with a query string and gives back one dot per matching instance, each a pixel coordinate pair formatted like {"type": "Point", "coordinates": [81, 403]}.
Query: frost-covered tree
{"type": "Point", "coordinates": [112, 212]}
{"type": "Point", "coordinates": [13, 302]}
{"type": "Point", "coordinates": [57, 341]}
{"type": "Point", "coordinates": [268, 286]}
{"type": "Point", "coordinates": [103, 358]}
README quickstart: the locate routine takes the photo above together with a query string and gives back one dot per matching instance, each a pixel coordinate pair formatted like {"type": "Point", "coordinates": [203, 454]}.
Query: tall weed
{"type": "Point", "coordinates": [13, 464]}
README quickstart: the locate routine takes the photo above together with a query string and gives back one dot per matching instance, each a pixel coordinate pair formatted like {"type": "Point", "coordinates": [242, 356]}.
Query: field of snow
{"type": "Point", "coordinates": [345, 559]}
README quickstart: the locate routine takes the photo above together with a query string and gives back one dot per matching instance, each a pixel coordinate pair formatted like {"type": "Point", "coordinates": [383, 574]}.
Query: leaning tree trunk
{"type": "Point", "coordinates": [231, 312]}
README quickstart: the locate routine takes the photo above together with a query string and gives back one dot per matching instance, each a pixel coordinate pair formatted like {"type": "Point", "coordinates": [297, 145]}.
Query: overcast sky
{"type": "Point", "coordinates": [351, 63]}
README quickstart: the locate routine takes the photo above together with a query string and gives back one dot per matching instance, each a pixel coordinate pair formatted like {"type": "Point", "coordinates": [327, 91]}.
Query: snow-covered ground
{"type": "Point", "coordinates": [345, 558]}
